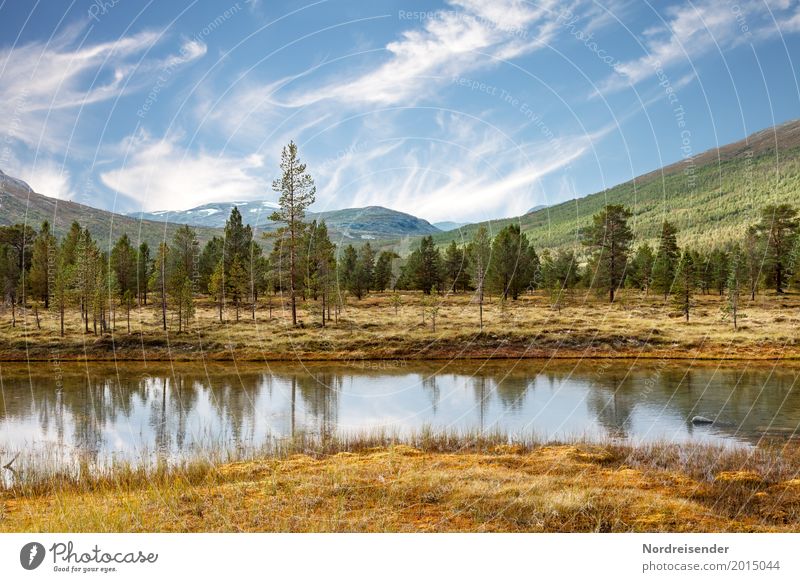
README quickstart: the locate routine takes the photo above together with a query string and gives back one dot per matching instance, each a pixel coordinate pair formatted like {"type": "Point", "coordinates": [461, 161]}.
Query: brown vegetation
{"type": "Point", "coordinates": [584, 326]}
{"type": "Point", "coordinates": [433, 484]}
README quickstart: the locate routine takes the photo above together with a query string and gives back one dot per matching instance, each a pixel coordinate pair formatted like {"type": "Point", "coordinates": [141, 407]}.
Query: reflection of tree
{"type": "Point", "coordinates": [431, 387]}
{"type": "Point", "coordinates": [320, 393]}
{"type": "Point", "coordinates": [608, 401]}
{"type": "Point", "coordinates": [171, 404]}
{"type": "Point", "coordinates": [481, 390]}
{"type": "Point", "coordinates": [511, 391]}
{"type": "Point", "coordinates": [233, 398]}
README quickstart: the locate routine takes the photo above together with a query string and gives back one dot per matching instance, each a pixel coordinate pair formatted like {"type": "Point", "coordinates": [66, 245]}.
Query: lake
{"type": "Point", "coordinates": [103, 412]}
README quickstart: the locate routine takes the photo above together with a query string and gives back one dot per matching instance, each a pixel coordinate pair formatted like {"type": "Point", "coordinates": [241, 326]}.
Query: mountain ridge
{"type": "Point", "coordinates": [359, 223]}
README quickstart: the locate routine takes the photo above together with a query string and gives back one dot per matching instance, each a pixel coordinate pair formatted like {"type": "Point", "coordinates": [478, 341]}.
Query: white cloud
{"type": "Point", "coordinates": [473, 35]}
{"type": "Point", "coordinates": [161, 175]}
{"type": "Point", "coordinates": [467, 171]}
{"type": "Point", "coordinates": [45, 83]}
{"type": "Point", "coordinates": [49, 179]}
{"type": "Point", "coordinates": [695, 29]}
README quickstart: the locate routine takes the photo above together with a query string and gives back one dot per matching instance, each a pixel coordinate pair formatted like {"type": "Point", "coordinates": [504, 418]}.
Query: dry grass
{"type": "Point", "coordinates": [432, 483]}
{"type": "Point", "coordinates": [369, 329]}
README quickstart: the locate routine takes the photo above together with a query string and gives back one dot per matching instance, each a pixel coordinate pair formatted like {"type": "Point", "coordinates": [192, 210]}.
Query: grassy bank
{"type": "Point", "coordinates": [431, 483]}
{"type": "Point", "coordinates": [380, 327]}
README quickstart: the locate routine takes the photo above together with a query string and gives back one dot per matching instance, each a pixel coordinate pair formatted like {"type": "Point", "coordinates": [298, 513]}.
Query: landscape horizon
{"type": "Point", "coordinates": [518, 267]}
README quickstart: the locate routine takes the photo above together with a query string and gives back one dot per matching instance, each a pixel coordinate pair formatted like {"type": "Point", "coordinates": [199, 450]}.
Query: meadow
{"type": "Point", "coordinates": [409, 325]}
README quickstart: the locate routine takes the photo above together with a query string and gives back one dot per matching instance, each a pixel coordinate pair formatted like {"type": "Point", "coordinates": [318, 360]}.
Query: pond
{"type": "Point", "coordinates": [102, 412]}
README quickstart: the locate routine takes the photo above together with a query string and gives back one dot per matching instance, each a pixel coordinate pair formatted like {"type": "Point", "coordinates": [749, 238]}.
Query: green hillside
{"type": "Point", "coordinates": [20, 204]}
{"type": "Point", "coordinates": [711, 199]}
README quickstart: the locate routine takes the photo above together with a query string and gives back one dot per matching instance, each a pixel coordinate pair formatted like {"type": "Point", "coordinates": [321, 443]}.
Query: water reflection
{"type": "Point", "coordinates": [133, 412]}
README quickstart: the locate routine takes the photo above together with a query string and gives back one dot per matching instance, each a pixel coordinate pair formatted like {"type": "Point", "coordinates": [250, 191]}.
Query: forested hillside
{"type": "Point", "coordinates": [720, 191]}
{"type": "Point", "coordinates": [19, 204]}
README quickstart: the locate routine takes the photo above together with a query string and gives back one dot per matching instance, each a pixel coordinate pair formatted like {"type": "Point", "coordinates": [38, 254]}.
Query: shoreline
{"type": "Point", "coordinates": [541, 355]}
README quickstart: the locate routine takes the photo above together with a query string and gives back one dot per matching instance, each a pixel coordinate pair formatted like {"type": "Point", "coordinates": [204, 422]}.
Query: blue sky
{"type": "Point", "coordinates": [461, 110]}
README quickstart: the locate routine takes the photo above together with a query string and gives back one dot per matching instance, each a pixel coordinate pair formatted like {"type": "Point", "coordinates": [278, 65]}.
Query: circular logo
{"type": "Point", "coordinates": [31, 555]}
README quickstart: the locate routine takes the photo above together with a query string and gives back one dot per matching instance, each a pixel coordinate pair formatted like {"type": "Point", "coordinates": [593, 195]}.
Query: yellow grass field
{"type": "Point", "coordinates": [377, 328]}
{"type": "Point", "coordinates": [434, 488]}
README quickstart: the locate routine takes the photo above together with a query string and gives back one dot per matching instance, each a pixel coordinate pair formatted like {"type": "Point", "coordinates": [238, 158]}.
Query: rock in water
{"type": "Point", "coordinates": [701, 420]}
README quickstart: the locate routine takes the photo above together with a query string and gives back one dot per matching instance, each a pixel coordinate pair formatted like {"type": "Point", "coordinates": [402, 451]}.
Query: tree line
{"type": "Point", "coordinates": [304, 265]}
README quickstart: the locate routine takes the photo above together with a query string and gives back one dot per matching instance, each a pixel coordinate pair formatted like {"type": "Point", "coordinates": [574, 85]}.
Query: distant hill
{"type": "Point", "coordinates": [448, 226]}
{"type": "Point", "coordinates": [711, 197]}
{"type": "Point", "coordinates": [537, 207]}
{"type": "Point", "coordinates": [370, 222]}
{"type": "Point", "coordinates": [20, 204]}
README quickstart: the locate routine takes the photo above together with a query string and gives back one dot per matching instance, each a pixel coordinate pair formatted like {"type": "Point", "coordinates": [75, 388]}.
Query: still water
{"type": "Point", "coordinates": [136, 412]}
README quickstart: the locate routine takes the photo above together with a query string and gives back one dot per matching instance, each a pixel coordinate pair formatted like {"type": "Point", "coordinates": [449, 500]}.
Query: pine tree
{"type": "Point", "coordinates": [297, 191]}
{"type": "Point", "coordinates": [124, 266]}
{"type": "Point", "coordinates": [348, 263]}
{"type": "Point", "coordinates": [209, 260]}
{"type": "Point", "coordinates": [10, 277]}
{"type": "Point", "coordinates": [86, 280]}
{"type": "Point", "coordinates": [62, 282]}
{"type": "Point", "coordinates": [143, 269]}
{"type": "Point", "coordinates": [737, 279]}
{"type": "Point", "coordinates": [425, 264]}
{"type": "Point", "coordinates": [514, 263]}
{"type": "Point", "coordinates": [753, 255]}
{"type": "Point", "coordinates": [365, 269]}
{"type": "Point", "coordinates": [383, 270]}
{"type": "Point", "coordinates": [778, 230]}
{"type": "Point", "coordinates": [216, 286]}
{"type": "Point", "coordinates": [181, 273]}
{"type": "Point", "coordinates": [559, 273]}
{"type": "Point", "coordinates": [259, 274]}
{"type": "Point", "coordinates": [609, 239]}
{"type": "Point", "coordinates": [236, 285]}
{"type": "Point", "coordinates": [719, 263]}
{"type": "Point", "coordinates": [158, 280]}
{"type": "Point", "coordinates": [321, 266]}
{"type": "Point", "coordinates": [455, 268]}
{"type": "Point", "coordinates": [640, 272]}
{"type": "Point", "coordinates": [43, 263]}
{"type": "Point", "coordinates": [685, 283]}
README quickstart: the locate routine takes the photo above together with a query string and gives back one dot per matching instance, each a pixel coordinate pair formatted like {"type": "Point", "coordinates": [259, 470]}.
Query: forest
{"type": "Point", "coordinates": [41, 274]}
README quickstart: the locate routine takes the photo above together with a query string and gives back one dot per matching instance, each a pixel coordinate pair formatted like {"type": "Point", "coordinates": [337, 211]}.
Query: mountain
{"type": "Point", "coordinates": [370, 222]}
{"type": "Point", "coordinates": [448, 226]}
{"type": "Point", "coordinates": [20, 204]}
{"type": "Point", "coordinates": [711, 197]}
{"type": "Point", "coordinates": [537, 207]}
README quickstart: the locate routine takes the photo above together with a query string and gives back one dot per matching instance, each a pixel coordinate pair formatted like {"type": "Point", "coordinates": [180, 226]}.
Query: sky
{"type": "Point", "coordinates": [460, 110]}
